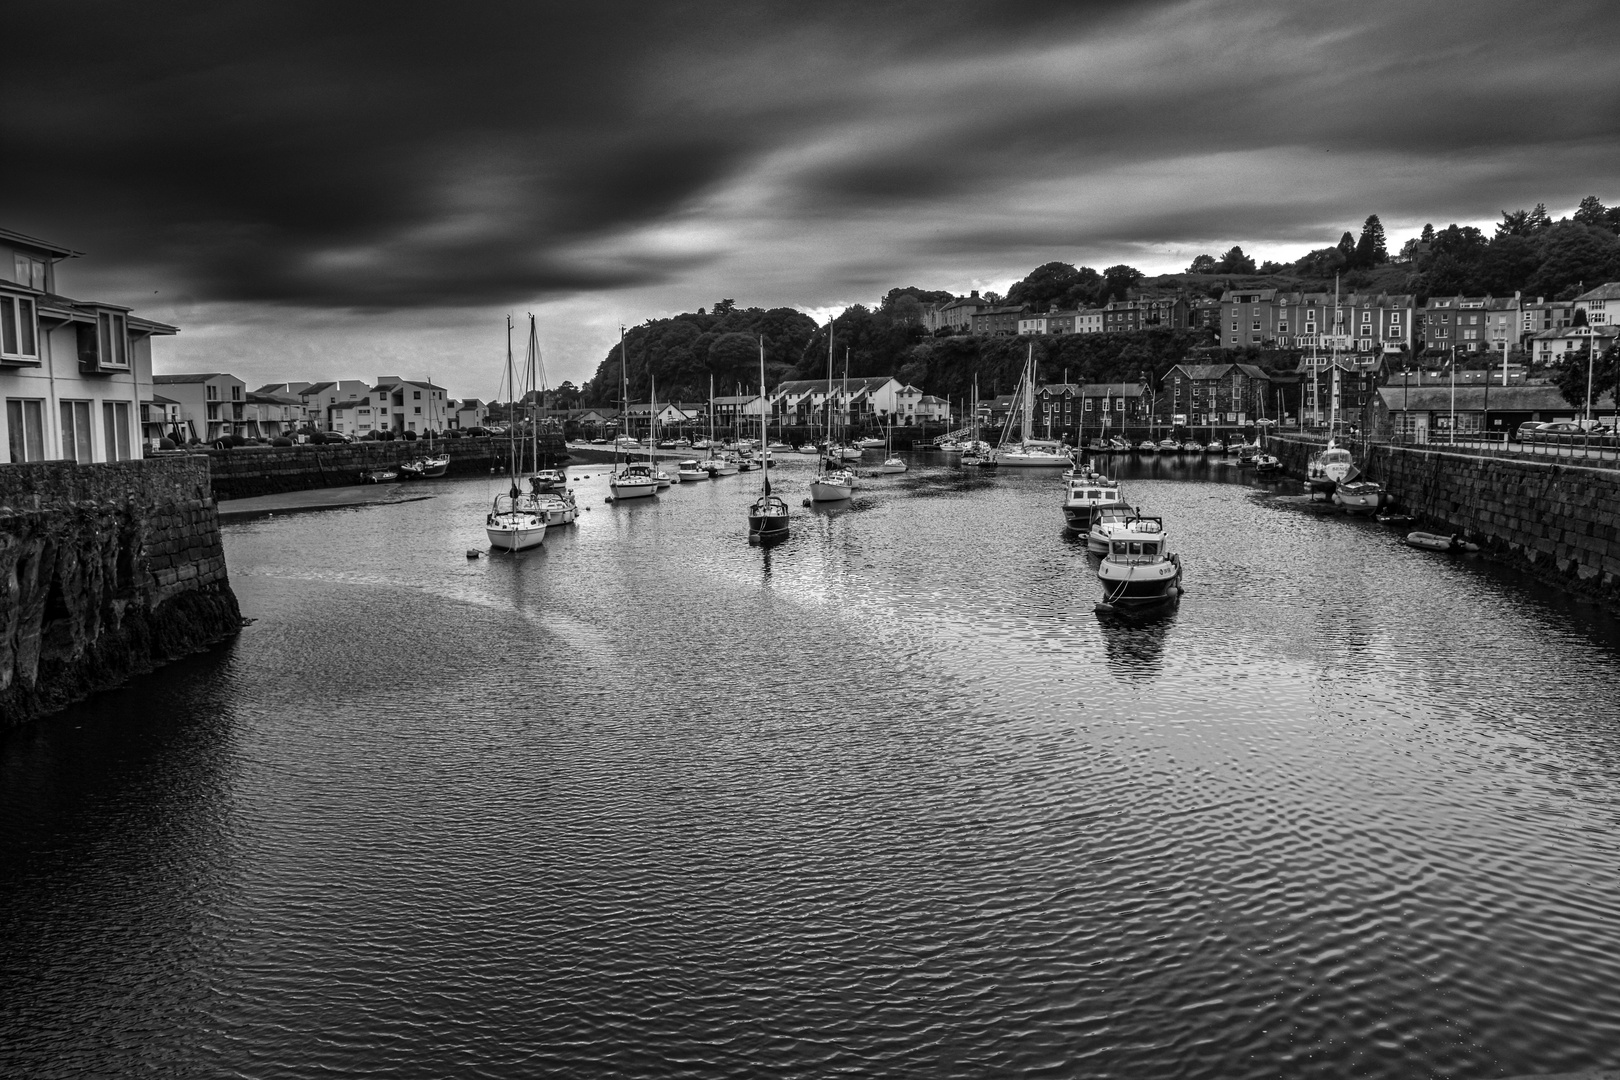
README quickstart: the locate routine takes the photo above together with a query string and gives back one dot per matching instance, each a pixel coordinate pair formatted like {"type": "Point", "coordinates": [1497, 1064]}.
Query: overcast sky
{"type": "Point", "coordinates": [329, 190]}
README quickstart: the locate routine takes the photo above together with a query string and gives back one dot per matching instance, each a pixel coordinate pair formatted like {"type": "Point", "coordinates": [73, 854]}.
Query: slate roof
{"type": "Point", "coordinates": [1431, 398]}
{"type": "Point", "coordinates": [799, 387]}
{"type": "Point", "coordinates": [193, 377]}
{"type": "Point", "coordinates": [1607, 291]}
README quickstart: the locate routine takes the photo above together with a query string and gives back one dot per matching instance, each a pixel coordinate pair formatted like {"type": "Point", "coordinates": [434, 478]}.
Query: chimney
{"type": "Point", "coordinates": [974, 295]}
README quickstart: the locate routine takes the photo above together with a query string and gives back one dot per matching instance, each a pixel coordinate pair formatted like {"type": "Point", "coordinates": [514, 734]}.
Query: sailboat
{"type": "Point", "coordinates": [629, 480]}
{"type": "Point", "coordinates": [1333, 466]}
{"type": "Point", "coordinates": [832, 482]}
{"type": "Point", "coordinates": [768, 517]}
{"type": "Point", "coordinates": [548, 493]}
{"type": "Point", "coordinates": [720, 462]}
{"type": "Point", "coordinates": [1029, 453]}
{"type": "Point", "coordinates": [510, 525]}
{"type": "Point", "coordinates": [976, 452]}
{"type": "Point", "coordinates": [891, 463]}
{"type": "Point", "coordinates": [652, 435]}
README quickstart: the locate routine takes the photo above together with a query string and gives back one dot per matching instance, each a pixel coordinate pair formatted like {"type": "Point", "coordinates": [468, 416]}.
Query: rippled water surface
{"type": "Point", "coordinates": [887, 800]}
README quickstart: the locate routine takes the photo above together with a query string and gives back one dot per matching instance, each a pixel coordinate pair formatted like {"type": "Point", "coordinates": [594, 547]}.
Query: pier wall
{"type": "Point", "coordinates": [246, 471]}
{"type": "Point", "coordinates": [1560, 521]}
{"type": "Point", "coordinates": [106, 571]}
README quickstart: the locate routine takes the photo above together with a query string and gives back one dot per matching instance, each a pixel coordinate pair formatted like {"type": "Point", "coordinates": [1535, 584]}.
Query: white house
{"type": "Point", "coordinates": [1549, 346]}
{"type": "Point", "coordinates": [268, 416]}
{"type": "Point", "coordinates": [212, 404]}
{"type": "Point", "coordinates": [74, 373]}
{"type": "Point", "coordinates": [1602, 304]}
{"type": "Point", "coordinates": [402, 405]}
{"type": "Point", "coordinates": [468, 413]}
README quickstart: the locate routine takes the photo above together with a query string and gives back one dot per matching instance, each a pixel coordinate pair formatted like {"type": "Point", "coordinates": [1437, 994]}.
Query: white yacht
{"type": "Point", "coordinates": [512, 526]}
{"type": "Point", "coordinates": [1330, 468]}
{"type": "Point", "coordinates": [1082, 495]}
{"type": "Point", "coordinates": [635, 481]}
{"type": "Point", "coordinates": [557, 508]}
{"type": "Point", "coordinates": [1139, 568]}
{"type": "Point", "coordinates": [691, 469]}
{"type": "Point", "coordinates": [1105, 520]}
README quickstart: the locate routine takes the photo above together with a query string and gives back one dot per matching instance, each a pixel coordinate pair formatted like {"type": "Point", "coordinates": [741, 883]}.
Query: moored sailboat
{"type": "Point", "coordinates": [630, 480]}
{"type": "Point", "coordinates": [510, 525]}
{"type": "Point", "coordinates": [768, 519]}
{"type": "Point", "coordinates": [831, 482]}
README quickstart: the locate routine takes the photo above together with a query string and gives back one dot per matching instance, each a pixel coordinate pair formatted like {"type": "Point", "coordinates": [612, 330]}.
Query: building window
{"type": "Point", "coordinates": [25, 428]}
{"type": "Point", "coordinates": [213, 393]}
{"type": "Point", "coordinates": [112, 340]}
{"type": "Point", "coordinates": [115, 429]}
{"type": "Point", "coordinates": [236, 393]}
{"type": "Point", "coordinates": [1282, 328]}
{"type": "Point", "coordinates": [30, 271]}
{"type": "Point", "coordinates": [76, 431]}
{"type": "Point", "coordinates": [18, 335]}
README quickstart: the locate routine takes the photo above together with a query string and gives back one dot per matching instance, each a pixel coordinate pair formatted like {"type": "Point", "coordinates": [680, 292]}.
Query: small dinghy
{"type": "Point", "coordinates": [1435, 542]}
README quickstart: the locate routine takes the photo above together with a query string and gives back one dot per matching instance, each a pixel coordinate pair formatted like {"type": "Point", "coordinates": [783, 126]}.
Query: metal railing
{"type": "Point", "coordinates": [1596, 449]}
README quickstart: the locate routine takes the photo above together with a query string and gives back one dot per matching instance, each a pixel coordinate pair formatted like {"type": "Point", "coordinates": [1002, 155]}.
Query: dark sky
{"type": "Point", "coordinates": [348, 190]}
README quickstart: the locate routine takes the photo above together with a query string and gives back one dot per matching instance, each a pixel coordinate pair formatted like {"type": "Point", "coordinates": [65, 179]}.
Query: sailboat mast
{"type": "Point", "coordinates": [511, 411]}
{"type": "Point", "coordinates": [624, 399]}
{"type": "Point", "coordinates": [765, 452]}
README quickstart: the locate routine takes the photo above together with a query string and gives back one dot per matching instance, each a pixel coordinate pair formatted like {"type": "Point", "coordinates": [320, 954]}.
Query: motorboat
{"type": "Point", "coordinates": [634, 481]}
{"type": "Point", "coordinates": [1034, 454]}
{"type": "Point", "coordinates": [663, 478]}
{"type": "Point", "coordinates": [1267, 464]}
{"type": "Point", "coordinates": [1215, 446]}
{"type": "Point", "coordinates": [1105, 520]}
{"type": "Point", "coordinates": [870, 443]}
{"type": "Point", "coordinates": [379, 476]}
{"type": "Point", "coordinates": [424, 468]}
{"type": "Point", "coordinates": [548, 480]}
{"type": "Point", "coordinates": [691, 469]}
{"type": "Point", "coordinates": [701, 444]}
{"type": "Point", "coordinates": [1081, 496]}
{"type": "Point", "coordinates": [890, 465]}
{"type": "Point", "coordinates": [1359, 496]}
{"type": "Point", "coordinates": [512, 525]}
{"type": "Point", "coordinates": [723, 464]}
{"type": "Point", "coordinates": [1139, 569]}
{"type": "Point", "coordinates": [952, 446]}
{"type": "Point", "coordinates": [805, 448]}
{"type": "Point", "coordinates": [557, 508]}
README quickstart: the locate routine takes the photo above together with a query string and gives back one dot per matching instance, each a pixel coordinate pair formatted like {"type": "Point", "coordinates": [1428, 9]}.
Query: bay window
{"type": "Point", "coordinates": [19, 337]}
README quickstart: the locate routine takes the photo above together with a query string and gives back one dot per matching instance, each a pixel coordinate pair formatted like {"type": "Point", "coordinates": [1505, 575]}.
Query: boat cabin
{"type": "Point", "coordinates": [1142, 540]}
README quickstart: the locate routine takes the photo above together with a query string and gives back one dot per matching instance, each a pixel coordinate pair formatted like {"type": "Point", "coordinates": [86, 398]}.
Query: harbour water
{"type": "Point", "coordinates": [886, 800]}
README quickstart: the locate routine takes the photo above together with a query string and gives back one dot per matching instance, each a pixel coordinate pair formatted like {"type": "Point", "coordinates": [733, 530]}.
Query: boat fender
{"type": "Point", "coordinates": [608, 499]}
{"type": "Point", "coordinates": [472, 553]}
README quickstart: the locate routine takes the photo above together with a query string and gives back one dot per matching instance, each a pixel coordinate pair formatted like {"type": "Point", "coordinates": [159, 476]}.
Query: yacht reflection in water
{"type": "Point", "coordinates": [1134, 640]}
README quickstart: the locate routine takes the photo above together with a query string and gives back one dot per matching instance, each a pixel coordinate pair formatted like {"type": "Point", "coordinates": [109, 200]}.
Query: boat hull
{"type": "Point", "coordinates": [1140, 585]}
{"type": "Point", "coordinates": [515, 538]}
{"type": "Point", "coordinates": [827, 491]}
{"type": "Point", "coordinates": [763, 528]}
{"type": "Point", "coordinates": [633, 489]}
{"type": "Point", "coordinates": [1013, 459]}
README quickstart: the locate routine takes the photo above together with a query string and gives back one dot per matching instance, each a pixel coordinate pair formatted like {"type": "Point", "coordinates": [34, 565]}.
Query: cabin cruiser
{"type": "Point", "coordinates": [1359, 496]}
{"type": "Point", "coordinates": [548, 480]}
{"type": "Point", "coordinates": [1034, 454]}
{"type": "Point", "coordinates": [1106, 518]}
{"type": "Point", "coordinates": [556, 508]}
{"type": "Point", "coordinates": [1084, 494]}
{"type": "Point", "coordinates": [691, 469]}
{"type": "Point", "coordinates": [1138, 568]}
{"type": "Point", "coordinates": [723, 464]}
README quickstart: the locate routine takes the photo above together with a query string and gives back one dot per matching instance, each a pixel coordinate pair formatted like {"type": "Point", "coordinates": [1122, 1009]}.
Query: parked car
{"type": "Point", "coordinates": [1561, 427]}
{"type": "Point", "coordinates": [1528, 430]}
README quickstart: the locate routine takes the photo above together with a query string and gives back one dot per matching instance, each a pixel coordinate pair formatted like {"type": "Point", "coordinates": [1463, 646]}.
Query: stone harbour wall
{"type": "Point", "coordinates": [247, 471]}
{"type": "Point", "coordinates": [1560, 521]}
{"type": "Point", "coordinates": [108, 571]}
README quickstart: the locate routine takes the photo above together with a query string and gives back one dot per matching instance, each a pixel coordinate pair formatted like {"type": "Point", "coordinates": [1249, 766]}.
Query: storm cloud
{"type": "Point", "coordinates": [615, 160]}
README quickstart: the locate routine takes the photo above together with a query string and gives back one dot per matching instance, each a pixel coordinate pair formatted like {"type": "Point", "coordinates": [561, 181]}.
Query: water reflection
{"type": "Point", "coordinates": [891, 783]}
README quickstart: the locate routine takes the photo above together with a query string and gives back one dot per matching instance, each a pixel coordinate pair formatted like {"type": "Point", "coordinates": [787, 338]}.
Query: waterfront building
{"type": "Point", "coordinates": [930, 410]}
{"type": "Point", "coordinates": [1544, 314]}
{"type": "Point", "coordinates": [1421, 413]}
{"type": "Point", "coordinates": [76, 375]}
{"type": "Point", "coordinates": [1114, 406]}
{"type": "Point", "coordinates": [356, 419]}
{"type": "Point", "coordinates": [270, 416]}
{"type": "Point", "coordinates": [1339, 386]}
{"type": "Point", "coordinates": [1602, 304]}
{"type": "Point", "coordinates": [1214, 395]}
{"type": "Point", "coordinates": [468, 413]}
{"type": "Point", "coordinates": [637, 423]}
{"type": "Point", "coordinates": [401, 405]}
{"type": "Point", "coordinates": [1088, 321]}
{"type": "Point", "coordinates": [801, 401]}
{"type": "Point", "coordinates": [212, 404]}
{"type": "Point", "coordinates": [1455, 322]}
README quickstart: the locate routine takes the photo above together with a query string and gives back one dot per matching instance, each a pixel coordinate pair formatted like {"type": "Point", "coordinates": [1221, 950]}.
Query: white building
{"type": "Point", "coordinates": [401, 405]}
{"type": "Point", "coordinates": [212, 404]}
{"type": "Point", "coordinates": [468, 413]}
{"type": "Point", "coordinates": [75, 373]}
{"type": "Point", "coordinates": [1549, 346]}
{"type": "Point", "coordinates": [269, 416]}
{"type": "Point", "coordinates": [1602, 304]}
